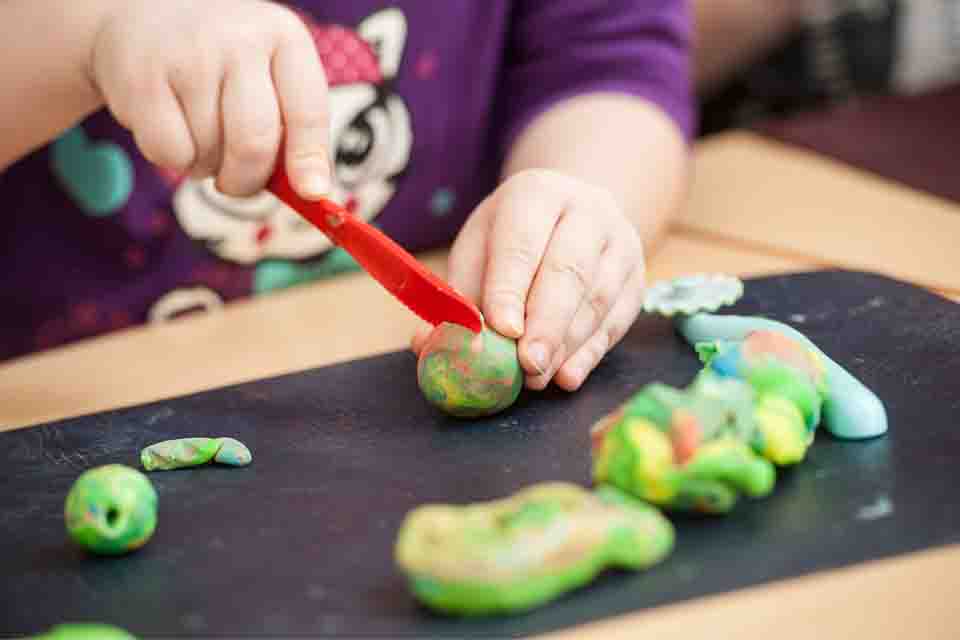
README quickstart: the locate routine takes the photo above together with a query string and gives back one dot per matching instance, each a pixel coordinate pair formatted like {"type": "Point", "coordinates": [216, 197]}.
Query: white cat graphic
{"type": "Point", "coordinates": [370, 141]}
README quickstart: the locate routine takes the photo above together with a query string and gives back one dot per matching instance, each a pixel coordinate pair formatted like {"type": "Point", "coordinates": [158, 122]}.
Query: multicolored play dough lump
{"type": "Point", "coordinates": [850, 410]}
{"type": "Point", "coordinates": [469, 375]}
{"type": "Point", "coordinates": [191, 452]}
{"type": "Point", "coordinates": [514, 554]}
{"type": "Point", "coordinates": [684, 449]}
{"type": "Point", "coordinates": [85, 631]}
{"type": "Point", "coordinates": [111, 510]}
{"type": "Point", "coordinates": [789, 384]}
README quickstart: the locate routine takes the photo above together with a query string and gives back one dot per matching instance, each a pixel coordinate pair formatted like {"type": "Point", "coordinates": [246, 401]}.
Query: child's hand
{"type": "Point", "coordinates": [211, 87]}
{"type": "Point", "coordinates": [556, 261]}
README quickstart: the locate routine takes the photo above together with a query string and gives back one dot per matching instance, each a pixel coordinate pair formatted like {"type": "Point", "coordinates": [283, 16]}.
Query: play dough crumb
{"type": "Point", "coordinates": [191, 452]}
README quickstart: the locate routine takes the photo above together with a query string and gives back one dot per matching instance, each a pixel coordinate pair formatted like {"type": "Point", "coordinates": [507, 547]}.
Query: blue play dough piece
{"type": "Point", "coordinates": [850, 410]}
{"type": "Point", "coordinates": [728, 363]}
{"type": "Point", "coordinates": [98, 176]}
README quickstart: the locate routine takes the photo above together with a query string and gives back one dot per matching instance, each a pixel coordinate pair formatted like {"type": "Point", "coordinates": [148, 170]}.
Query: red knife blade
{"type": "Point", "coordinates": [390, 264]}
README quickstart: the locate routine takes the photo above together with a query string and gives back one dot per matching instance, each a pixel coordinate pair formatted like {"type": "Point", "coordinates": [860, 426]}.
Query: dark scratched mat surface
{"type": "Point", "coordinates": [301, 542]}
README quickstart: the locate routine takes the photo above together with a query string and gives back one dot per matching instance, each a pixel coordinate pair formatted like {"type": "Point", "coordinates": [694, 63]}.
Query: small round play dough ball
{"type": "Point", "coordinates": [111, 510]}
{"type": "Point", "coordinates": [86, 631]}
{"type": "Point", "coordinates": [467, 374]}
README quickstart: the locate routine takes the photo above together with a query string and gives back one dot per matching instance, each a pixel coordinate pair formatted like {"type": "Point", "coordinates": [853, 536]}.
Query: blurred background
{"type": "Point", "coordinates": [757, 59]}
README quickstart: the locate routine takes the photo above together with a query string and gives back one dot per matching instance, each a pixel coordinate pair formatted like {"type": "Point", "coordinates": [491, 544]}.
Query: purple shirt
{"type": "Point", "coordinates": [426, 98]}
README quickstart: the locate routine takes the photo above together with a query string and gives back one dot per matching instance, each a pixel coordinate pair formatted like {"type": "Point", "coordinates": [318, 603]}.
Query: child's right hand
{"type": "Point", "coordinates": [212, 87]}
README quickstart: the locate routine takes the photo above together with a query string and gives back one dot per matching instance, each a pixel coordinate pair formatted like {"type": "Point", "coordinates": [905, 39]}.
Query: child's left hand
{"type": "Point", "coordinates": [555, 262]}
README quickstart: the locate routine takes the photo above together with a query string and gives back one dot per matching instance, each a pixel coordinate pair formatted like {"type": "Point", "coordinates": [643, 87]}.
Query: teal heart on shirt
{"type": "Point", "coordinates": [98, 176]}
{"type": "Point", "coordinates": [273, 275]}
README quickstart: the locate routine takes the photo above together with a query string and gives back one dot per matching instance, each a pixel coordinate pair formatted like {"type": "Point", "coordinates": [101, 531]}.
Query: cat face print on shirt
{"type": "Point", "coordinates": [370, 142]}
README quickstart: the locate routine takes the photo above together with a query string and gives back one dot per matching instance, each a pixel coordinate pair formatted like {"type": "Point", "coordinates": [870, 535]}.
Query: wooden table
{"type": "Point", "coordinates": [757, 207]}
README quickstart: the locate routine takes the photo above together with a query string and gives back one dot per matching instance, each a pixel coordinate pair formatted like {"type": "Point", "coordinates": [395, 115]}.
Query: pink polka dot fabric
{"type": "Point", "coordinates": [346, 57]}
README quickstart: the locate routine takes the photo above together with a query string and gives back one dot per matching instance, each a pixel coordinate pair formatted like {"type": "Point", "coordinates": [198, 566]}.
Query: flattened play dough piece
{"type": "Point", "coordinates": [850, 409]}
{"type": "Point", "coordinates": [514, 554]}
{"type": "Point", "coordinates": [192, 452]}
{"type": "Point", "coordinates": [469, 375]}
{"type": "Point", "coordinates": [111, 510]}
{"type": "Point", "coordinates": [85, 631]}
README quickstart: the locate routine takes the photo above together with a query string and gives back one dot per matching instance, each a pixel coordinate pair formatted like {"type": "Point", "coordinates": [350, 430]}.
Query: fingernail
{"type": "Point", "coordinates": [313, 170]}
{"type": "Point", "coordinates": [514, 322]}
{"type": "Point", "coordinates": [315, 185]}
{"type": "Point", "coordinates": [577, 374]}
{"type": "Point", "coordinates": [539, 357]}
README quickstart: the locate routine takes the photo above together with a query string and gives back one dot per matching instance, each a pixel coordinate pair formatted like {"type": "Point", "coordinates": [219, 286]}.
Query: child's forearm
{"type": "Point", "coordinates": [44, 71]}
{"type": "Point", "coordinates": [623, 144]}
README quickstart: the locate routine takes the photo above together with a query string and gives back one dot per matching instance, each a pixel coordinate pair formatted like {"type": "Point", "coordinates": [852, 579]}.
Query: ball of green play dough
{"type": "Point", "coordinates": [467, 374]}
{"type": "Point", "coordinates": [85, 631]}
{"type": "Point", "coordinates": [111, 510]}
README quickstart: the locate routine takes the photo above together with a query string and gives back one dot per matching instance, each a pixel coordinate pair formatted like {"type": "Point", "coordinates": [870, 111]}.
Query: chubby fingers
{"type": "Point", "coordinates": [467, 262]}
{"type": "Point", "coordinates": [614, 281]}
{"type": "Point", "coordinates": [565, 278]}
{"type": "Point", "coordinates": [525, 212]}
{"type": "Point", "coordinates": [556, 264]}
{"type": "Point", "coordinates": [301, 87]}
{"type": "Point", "coordinates": [611, 328]}
{"type": "Point", "coordinates": [251, 125]}
{"type": "Point", "coordinates": [198, 85]}
{"type": "Point", "coordinates": [160, 128]}
{"type": "Point", "coordinates": [269, 96]}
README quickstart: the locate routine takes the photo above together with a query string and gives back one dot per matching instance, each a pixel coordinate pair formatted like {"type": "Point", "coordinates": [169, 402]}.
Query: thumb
{"type": "Point", "coordinates": [468, 255]}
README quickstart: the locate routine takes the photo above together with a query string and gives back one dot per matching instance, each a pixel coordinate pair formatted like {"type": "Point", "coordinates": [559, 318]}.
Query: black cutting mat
{"type": "Point", "coordinates": [301, 542]}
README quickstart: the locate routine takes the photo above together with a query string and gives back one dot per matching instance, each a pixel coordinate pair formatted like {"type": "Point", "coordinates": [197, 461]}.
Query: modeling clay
{"type": "Point", "coordinates": [850, 409]}
{"type": "Point", "coordinates": [191, 452]}
{"type": "Point", "coordinates": [520, 552]}
{"type": "Point", "coordinates": [85, 631]}
{"type": "Point", "coordinates": [467, 374]}
{"type": "Point", "coordinates": [687, 450]}
{"type": "Point", "coordinates": [111, 510]}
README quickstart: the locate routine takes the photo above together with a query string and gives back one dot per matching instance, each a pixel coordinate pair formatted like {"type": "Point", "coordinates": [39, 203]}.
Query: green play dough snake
{"type": "Point", "coordinates": [191, 452]}
{"type": "Point", "coordinates": [510, 555]}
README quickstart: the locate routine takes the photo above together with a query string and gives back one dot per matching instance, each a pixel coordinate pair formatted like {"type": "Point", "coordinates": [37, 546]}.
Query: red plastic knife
{"type": "Point", "coordinates": [390, 264]}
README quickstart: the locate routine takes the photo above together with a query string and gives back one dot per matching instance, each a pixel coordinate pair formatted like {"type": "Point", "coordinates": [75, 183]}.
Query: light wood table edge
{"type": "Point", "coordinates": [905, 596]}
{"type": "Point", "coordinates": [817, 167]}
